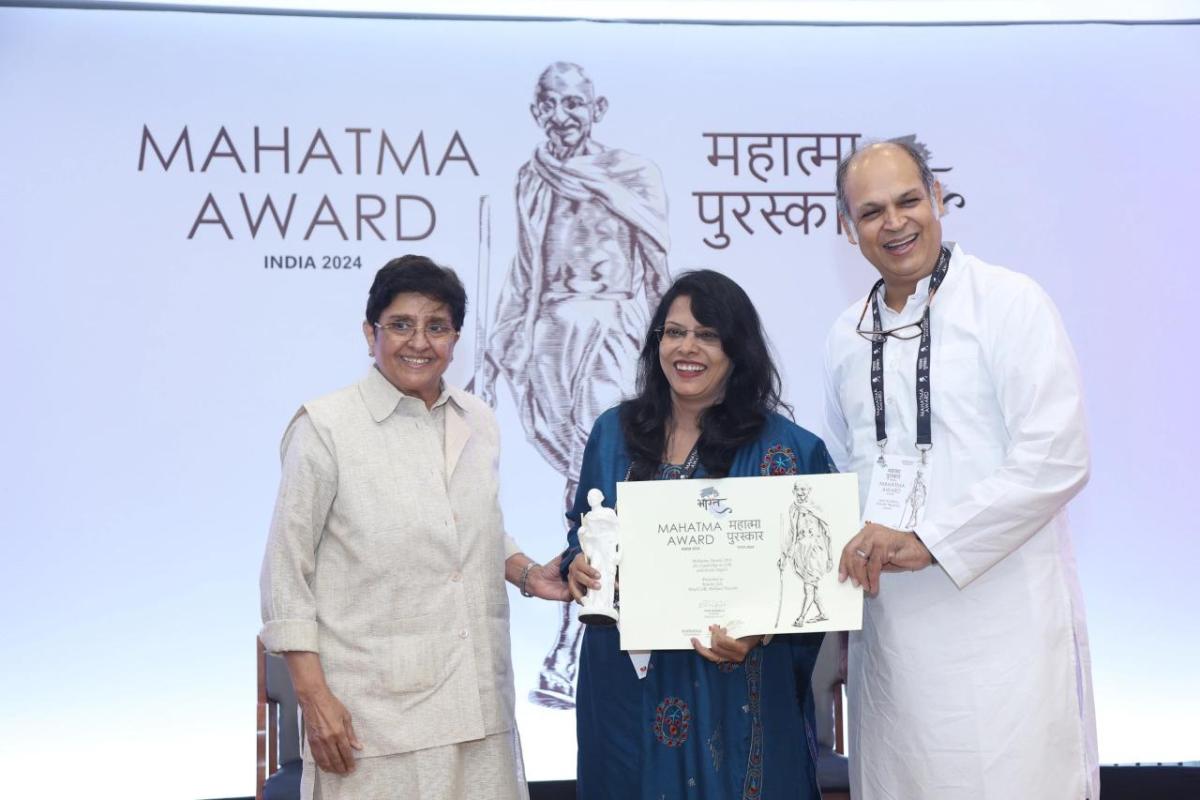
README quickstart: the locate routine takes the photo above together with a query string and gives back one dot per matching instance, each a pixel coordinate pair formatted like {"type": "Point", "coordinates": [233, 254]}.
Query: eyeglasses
{"type": "Point", "coordinates": [675, 333]}
{"type": "Point", "coordinates": [910, 331]}
{"type": "Point", "coordinates": [402, 330]}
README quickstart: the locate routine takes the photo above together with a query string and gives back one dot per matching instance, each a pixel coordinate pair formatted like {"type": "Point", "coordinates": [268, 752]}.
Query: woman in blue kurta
{"type": "Point", "coordinates": [733, 719]}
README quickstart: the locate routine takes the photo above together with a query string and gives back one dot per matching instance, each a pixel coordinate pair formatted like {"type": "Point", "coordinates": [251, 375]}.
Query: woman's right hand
{"type": "Point", "coordinates": [330, 732]}
{"type": "Point", "coordinates": [581, 577]}
{"type": "Point", "coordinates": [327, 723]}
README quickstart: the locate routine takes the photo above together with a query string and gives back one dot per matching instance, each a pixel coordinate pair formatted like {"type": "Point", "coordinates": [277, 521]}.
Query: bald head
{"type": "Point", "coordinates": [562, 74]}
{"type": "Point", "coordinates": [903, 147]}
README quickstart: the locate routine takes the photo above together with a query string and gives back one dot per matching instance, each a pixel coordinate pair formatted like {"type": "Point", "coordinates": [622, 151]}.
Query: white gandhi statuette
{"type": "Point", "coordinates": [598, 536]}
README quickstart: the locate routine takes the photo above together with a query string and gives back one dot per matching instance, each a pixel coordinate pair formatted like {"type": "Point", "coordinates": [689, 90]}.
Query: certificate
{"type": "Point", "coordinates": [756, 555]}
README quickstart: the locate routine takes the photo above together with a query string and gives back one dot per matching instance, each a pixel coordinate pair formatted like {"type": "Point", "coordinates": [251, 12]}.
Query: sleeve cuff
{"type": "Point", "coordinates": [511, 548]}
{"type": "Point", "coordinates": [567, 557]}
{"type": "Point", "coordinates": [285, 635]}
{"type": "Point", "coordinates": [944, 556]}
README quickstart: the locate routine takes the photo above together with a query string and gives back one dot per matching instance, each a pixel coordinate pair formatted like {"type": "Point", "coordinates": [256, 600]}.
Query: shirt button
{"type": "Point", "coordinates": [463, 633]}
{"type": "Point", "coordinates": [456, 577]}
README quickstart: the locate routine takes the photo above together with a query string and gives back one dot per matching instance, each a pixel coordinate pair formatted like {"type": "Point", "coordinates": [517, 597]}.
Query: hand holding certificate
{"type": "Point", "coordinates": [755, 555]}
{"type": "Point", "coordinates": [696, 552]}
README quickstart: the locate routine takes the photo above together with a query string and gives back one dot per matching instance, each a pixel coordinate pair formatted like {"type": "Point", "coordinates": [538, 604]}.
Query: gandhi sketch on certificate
{"type": "Point", "coordinates": [807, 551]}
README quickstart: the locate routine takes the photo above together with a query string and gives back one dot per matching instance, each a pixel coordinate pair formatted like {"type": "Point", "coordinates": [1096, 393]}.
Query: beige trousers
{"type": "Point", "coordinates": [485, 768]}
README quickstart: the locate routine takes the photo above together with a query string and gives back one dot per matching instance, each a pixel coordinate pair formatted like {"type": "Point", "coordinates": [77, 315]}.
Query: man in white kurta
{"type": "Point", "coordinates": [971, 677]}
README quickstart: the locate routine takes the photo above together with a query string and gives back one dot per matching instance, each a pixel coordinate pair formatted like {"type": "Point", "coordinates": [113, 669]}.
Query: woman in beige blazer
{"type": "Point", "coordinates": [383, 580]}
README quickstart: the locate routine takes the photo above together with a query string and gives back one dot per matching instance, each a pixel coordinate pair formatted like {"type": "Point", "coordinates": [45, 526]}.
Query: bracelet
{"type": "Point", "coordinates": [525, 578]}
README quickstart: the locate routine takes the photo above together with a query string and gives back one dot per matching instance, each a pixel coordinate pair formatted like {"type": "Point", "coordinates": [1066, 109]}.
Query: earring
{"type": "Point", "coordinates": [370, 354]}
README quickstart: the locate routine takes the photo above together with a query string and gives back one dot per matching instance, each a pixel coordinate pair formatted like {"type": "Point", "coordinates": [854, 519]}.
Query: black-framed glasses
{"type": "Point", "coordinates": [403, 329]}
{"type": "Point", "coordinates": [912, 330]}
{"type": "Point", "coordinates": [677, 333]}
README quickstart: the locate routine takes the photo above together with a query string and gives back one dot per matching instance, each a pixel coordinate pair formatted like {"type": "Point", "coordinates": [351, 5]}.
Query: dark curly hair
{"type": "Point", "coordinates": [751, 390]}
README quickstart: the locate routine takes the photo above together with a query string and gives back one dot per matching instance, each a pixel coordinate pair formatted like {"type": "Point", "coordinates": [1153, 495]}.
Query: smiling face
{"type": "Point", "coordinates": [566, 108]}
{"type": "Point", "coordinates": [692, 358]}
{"type": "Point", "coordinates": [413, 363]}
{"type": "Point", "coordinates": [896, 223]}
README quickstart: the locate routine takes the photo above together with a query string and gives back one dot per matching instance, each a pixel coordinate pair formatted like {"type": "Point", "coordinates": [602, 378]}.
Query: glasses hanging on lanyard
{"type": "Point", "coordinates": [878, 336]}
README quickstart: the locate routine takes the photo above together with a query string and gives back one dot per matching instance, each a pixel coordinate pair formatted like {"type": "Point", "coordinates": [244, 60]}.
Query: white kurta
{"type": "Point", "coordinates": [971, 679]}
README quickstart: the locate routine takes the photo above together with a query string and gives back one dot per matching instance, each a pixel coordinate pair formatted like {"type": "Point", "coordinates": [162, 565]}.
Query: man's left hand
{"type": "Point", "coordinates": [876, 549]}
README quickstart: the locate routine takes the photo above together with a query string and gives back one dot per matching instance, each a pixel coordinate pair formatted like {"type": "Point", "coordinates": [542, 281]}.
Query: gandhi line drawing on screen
{"type": "Point", "coordinates": [591, 263]}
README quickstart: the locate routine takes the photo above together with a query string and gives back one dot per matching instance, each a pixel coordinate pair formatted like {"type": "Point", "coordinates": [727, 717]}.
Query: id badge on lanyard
{"type": "Point", "coordinates": [899, 487]}
{"type": "Point", "coordinates": [898, 490]}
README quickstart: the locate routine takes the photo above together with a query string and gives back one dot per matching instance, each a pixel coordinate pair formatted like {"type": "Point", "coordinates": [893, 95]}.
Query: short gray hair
{"type": "Point", "coordinates": [909, 144]}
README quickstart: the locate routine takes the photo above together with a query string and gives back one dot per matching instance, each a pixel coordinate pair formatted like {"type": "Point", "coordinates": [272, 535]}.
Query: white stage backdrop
{"type": "Point", "coordinates": [161, 323]}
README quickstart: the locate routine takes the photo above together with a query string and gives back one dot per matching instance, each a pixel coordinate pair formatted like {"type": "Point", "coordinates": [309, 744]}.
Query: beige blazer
{"type": "Point", "coordinates": [386, 556]}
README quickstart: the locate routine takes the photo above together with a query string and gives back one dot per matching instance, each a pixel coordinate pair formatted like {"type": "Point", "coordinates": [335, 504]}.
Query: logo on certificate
{"type": "Point", "coordinates": [712, 502]}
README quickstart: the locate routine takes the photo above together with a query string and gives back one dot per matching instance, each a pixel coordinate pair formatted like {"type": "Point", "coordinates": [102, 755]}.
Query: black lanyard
{"type": "Point", "coordinates": [924, 402]}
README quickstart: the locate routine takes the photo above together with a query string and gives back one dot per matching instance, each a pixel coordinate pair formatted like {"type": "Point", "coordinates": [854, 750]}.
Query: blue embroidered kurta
{"type": "Point", "coordinates": [692, 728]}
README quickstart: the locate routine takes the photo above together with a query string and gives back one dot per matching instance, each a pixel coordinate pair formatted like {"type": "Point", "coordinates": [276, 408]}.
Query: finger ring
{"type": "Point", "coordinates": [861, 553]}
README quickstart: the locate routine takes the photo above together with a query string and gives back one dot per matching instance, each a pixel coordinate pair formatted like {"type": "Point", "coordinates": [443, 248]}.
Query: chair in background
{"type": "Point", "coordinates": [278, 768]}
{"type": "Point", "coordinates": [829, 677]}
{"type": "Point", "coordinates": [279, 761]}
